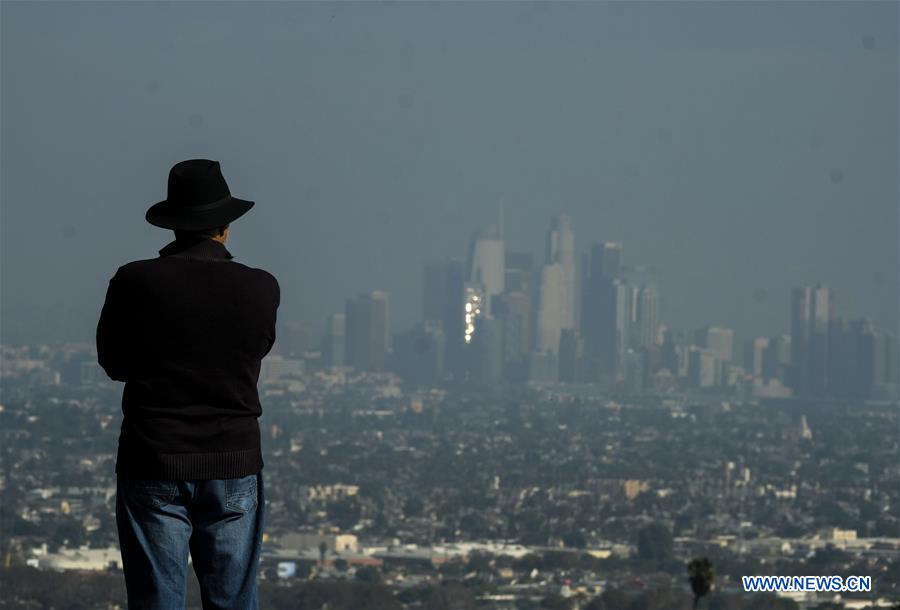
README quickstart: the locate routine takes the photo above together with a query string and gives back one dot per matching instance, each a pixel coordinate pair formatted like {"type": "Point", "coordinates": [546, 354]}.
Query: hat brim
{"type": "Point", "coordinates": [164, 216]}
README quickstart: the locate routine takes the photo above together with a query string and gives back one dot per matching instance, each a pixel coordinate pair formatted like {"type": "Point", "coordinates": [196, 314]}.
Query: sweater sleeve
{"type": "Point", "coordinates": [273, 321]}
{"type": "Point", "coordinates": [112, 335]}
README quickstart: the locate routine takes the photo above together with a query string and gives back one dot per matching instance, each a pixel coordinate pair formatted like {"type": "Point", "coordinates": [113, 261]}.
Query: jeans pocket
{"type": "Point", "coordinates": [240, 493]}
{"type": "Point", "coordinates": [150, 492]}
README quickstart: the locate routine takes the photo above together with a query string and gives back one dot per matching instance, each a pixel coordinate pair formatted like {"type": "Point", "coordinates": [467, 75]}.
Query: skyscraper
{"type": "Point", "coordinates": [519, 272]}
{"type": "Point", "coordinates": [513, 309]}
{"type": "Point", "coordinates": [443, 302]}
{"type": "Point", "coordinates": [674, 351]}
{"type": "Point", "coordinates": [560, 249]}
{"type": "Point", "coordinates": [557, 289]}
{"type": "Point", "coordinates": [487, 352]}
{"type": "Point", "coordinates": [717, 338]}
{"type": "Point", "coordinates": [635, 370]}
{"type": "Point", "coordinates": [812, 307]}
{"type": "Point", "coordinates": [842, 358]}
{"type": "Point", "coordinates": [606, 312]}
{"type": "Point", "coordinates": [333, 343]}
{"type": "Point", "coordinates": [776, 362]}
{"type": "Point", "coordinates": [486, 263]}
{"type": "Point", "coordinates": [867, 357]}
{"type": "Point", "coordinates": [550, 308]}
{"type": "Point", "coordinates": [869, 360]}
{"type": "Point", "coordinates": [293, 341]}
{"type": "Point", "coordinates": [366, 341]}
{"type": "Point", "coordinates": [754, 349]}
{"type": "Point", "coordinates": [606, 259]}
{"type": "Point", "coordinates": [645, 316]}
{"type": "Point", "coordinates": [419, 353]}
{"type": "Point", "coordinates": [434, 293]}
{"type": "Point", "coordinates": [889, 387]}
{"type": "Point", "coordinates": [704, 367]}
{"type": "Point", "coordinates": [571, 353]}
{"type": "Point", "coordinates": [619, 307]}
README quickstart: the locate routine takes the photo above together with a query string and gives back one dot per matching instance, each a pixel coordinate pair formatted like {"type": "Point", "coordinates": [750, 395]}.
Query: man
{"type": "Point", "coordinates": [187, 332]}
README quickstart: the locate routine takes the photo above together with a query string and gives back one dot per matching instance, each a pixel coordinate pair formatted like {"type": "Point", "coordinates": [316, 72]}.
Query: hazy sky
{"type": "Point", "coordinates": [742, 148]}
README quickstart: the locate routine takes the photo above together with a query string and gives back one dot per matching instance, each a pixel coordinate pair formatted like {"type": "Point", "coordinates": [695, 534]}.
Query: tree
{"type": "Point", "coordinates": [554, 602]}
{"type": "Point", "coordinates": [368, 574]}
{"type": "Point", "coordinates": [574, 538]}
{"type": "Point", "coordinates": [654, 543]}
{"type": "Point", "coordinates": [413, 507]}
{"type": "Point", "coordinates": [479, 561]}
{"type": "Point", "coordinates": [701, 574]}
{"type": "Point", "coordinates": [450, 597]}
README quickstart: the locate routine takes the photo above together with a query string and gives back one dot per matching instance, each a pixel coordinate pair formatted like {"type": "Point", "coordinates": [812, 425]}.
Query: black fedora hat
{"type": "Point", "coordinates": [198, 198]}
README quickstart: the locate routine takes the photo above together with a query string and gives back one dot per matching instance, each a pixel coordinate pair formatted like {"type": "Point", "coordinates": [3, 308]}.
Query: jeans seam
{"type": "Point", "coordinates": [163, 496]}
{"type": "Point", "coordinates": [233, 497]}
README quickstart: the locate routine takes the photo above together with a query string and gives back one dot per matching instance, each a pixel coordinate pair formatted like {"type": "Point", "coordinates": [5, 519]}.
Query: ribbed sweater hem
{"type": "Point", "coordinates": [190, 466]}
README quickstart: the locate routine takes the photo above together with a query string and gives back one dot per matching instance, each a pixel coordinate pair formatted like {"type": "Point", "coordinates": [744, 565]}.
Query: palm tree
{"type": "Point", "coordinates": [701, 575]}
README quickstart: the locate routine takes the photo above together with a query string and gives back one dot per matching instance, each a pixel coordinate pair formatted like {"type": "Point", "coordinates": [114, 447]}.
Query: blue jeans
{"type": "Point", "coordinates": [220, 521]}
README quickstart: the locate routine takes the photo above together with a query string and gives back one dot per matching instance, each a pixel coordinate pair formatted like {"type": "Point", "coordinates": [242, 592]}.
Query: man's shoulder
{"type": "Point", "coordinates": [150, 269]}
{"type": "Point", "coordinates": [154, 265]}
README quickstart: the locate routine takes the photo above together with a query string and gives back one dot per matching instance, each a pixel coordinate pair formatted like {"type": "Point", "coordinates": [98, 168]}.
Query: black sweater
{"type": "Point", "coordinates": [187, 332]}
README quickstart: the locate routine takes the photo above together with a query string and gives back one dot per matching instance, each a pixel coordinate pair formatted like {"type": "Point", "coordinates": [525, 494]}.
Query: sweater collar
{"type": "Point", "coordinates": [196, 248]}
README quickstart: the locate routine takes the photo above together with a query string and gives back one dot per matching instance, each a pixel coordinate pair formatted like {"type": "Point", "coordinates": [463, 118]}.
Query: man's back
{"type": "Point", "coordinates": [187, 331]}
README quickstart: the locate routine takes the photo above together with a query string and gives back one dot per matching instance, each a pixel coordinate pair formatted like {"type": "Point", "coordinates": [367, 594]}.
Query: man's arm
{"type": "Point", "coordinates": [273, 322]}
{"type": "Point", "coordinates": [112, 337]}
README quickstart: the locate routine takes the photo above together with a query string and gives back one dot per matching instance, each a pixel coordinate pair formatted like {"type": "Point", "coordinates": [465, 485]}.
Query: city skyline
{"type": "Point", "coordinates": [322, 331]}
{"type": "Point", "coordinates": [499, 318]}
{"type": "Point", "coordinates": [579, 305]}
{"type": "Point", "coordinates": [622, 269]}
{"type": "Point", "coordinates": [742, 149]}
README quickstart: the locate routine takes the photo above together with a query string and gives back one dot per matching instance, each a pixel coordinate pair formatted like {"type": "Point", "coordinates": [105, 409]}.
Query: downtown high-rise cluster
{"type": "Point", "coordinates": [501, 317]}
